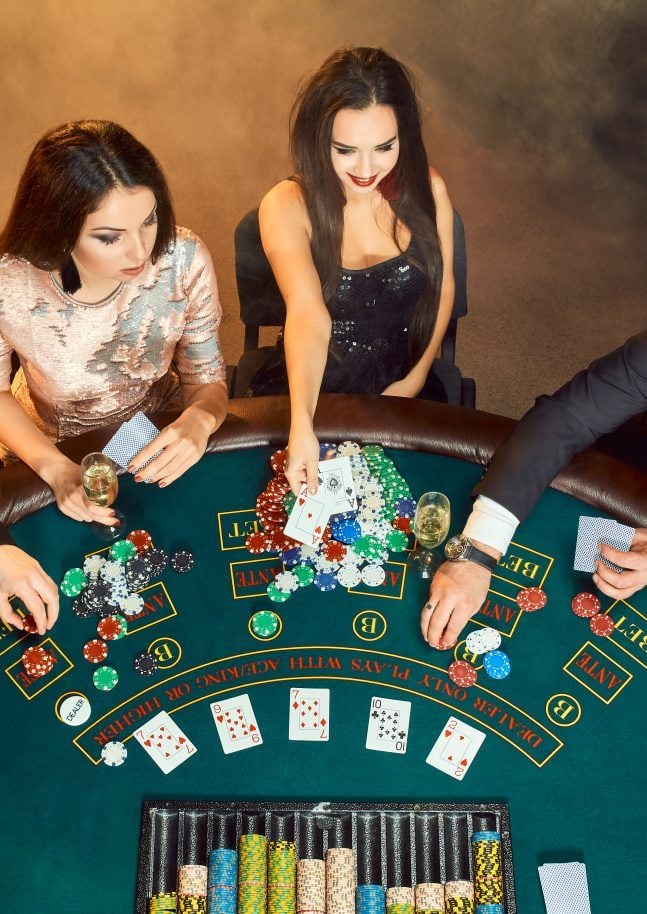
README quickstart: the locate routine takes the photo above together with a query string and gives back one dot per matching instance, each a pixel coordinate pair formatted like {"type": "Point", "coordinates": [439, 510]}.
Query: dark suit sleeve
{"type": "Point", "coordinates": [596, 401]}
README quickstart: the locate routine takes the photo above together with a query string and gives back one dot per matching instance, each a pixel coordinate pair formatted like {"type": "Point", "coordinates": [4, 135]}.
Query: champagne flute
{"type": "Point", "coordinates": [101, 486]}
{"type": "Point", "coordinates": [430, 526]}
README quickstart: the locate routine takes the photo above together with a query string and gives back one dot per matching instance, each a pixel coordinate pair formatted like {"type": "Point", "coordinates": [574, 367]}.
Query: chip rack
{"type": "Point", "coordinates": [395, 844]}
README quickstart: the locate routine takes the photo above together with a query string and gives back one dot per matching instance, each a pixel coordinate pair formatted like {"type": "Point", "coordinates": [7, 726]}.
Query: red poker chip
{"type": "Point", "coordinates": [141, 540]}
{"type": "Point", "coordinates": [255, 543]}
{"type": "Point", "coordinates": [531, 599]}
{"type": "Point", "coordinates": [109, 628]}
{"type": "Point", "coordinates": [601, 625]}
{"type": "Point", "coordinates": [278, 459]}
{"type": "Point", "coordinates": [37, 662]}
{"type": "Point", "coordinates": [278, 486]}
{"type": "Point", "coordinates": [29, 625]}
{"type": "Point", "coordinates": [585, 605]}
{"type": "Point", "coordinates": [402, 523]}
{"type": "Point", "coordinates": [334, 551]}
{"type": "Point", "coordinates": [462, 673]}
{"type": "Point", "coordinates": [95, 651]}
{"type": "Point", "coordinates": [326, 536]}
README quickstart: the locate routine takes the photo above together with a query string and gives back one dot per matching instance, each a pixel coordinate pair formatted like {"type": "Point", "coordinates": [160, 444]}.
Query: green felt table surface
{"type": "Point", "coordinates": [565, 737]}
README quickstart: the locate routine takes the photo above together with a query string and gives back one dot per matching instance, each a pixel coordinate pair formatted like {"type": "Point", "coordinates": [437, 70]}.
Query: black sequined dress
{"type": "Point", "coordinates": [371, 312]}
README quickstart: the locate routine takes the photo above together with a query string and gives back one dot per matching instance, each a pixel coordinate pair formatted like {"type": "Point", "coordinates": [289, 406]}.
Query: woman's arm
{"type": "Point", "coordinates": [202, 372]}
{"type": "Point", "coordinates": [414, 381]}
{"type": "Point", "coordinates": [19, 434]}
{"type": "Point", "coordinates": [285, 233]}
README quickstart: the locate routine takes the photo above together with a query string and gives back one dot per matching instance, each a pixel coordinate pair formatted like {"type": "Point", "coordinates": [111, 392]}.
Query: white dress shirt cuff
{"type": "Point", "coordinates": [492, 524]}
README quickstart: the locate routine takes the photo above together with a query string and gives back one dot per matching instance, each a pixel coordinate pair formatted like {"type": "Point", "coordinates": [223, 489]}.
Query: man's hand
{"type": "Point", "coordinates": [457, 592]}
{"type": "Point", "coordinates": [22, 576]}
{"type": "Point", "coordinates": [623, 584]}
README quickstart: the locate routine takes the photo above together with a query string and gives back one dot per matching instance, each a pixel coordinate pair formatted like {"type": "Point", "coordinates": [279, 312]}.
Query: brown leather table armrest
{"type": "Point", "coordinates": [596, 478]}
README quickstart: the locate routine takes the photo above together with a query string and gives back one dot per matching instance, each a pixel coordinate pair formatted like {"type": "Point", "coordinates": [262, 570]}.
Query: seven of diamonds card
{"type": "Point", "coordinates": [309, 714]}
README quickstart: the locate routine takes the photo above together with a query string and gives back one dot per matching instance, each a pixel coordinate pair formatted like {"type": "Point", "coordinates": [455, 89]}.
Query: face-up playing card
{"type": "Point", "coordinates": [455, 749]}
{"type": "Point", "coordinates": [388, 725]}
{"type": "Point", "coordinates": [308, 518]}
{"type": "Point", "coordinates": [236, 724]}
{"type": "Point", "coordinates": [130, 438]}
{"type": "Point", "coordinates": [310, 714]}
{"type": "Point", "coordinates": [163, 740]}
{"type": "Point", "coordinates": [591, 532]}
{"type": "Point", "coordinates": [336, 484]}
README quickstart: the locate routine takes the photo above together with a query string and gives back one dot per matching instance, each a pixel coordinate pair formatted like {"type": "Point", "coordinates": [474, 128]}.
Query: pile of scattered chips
{"type": "Point", "coordinates": [355, 544]}
{"type": "Point", "coordinates": [483, 642]}
{"type": "Point", "coordinates": [106, 586]}
{"type": "Point", "coordinates": [588, 606]}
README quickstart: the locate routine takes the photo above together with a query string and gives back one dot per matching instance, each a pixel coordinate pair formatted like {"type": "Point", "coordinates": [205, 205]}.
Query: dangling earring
{"type": "Point", "coordinates": [70, 279]}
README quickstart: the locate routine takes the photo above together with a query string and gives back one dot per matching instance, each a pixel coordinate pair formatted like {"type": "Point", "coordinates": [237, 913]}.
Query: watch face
{"type": "Point", "coordinates": [455, 547]}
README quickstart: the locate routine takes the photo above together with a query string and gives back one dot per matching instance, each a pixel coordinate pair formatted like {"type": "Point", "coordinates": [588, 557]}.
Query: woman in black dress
{"type": "Point", "coordinates": [360, 241]}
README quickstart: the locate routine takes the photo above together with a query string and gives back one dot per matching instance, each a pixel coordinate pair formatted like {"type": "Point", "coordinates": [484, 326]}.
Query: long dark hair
{"type": "Point", "coordinates": [358, 78]}
{"type": "Point", "coordinates": [68, 174]}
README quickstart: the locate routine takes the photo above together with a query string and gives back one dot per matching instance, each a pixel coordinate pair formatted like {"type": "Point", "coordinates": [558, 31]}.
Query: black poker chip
{"type": "Point", "coordinates": [145, 664]}
{"type": "Point", "coordinates": [157, 560]}
{"type": "Point", "coordinates": [96, 594]}
{"type": "Point", "coordinates": [182, 561]}
{"type": "Point", "coordinates": [81, 608]}
{"type": "Point", "coordinates": [138, 572]}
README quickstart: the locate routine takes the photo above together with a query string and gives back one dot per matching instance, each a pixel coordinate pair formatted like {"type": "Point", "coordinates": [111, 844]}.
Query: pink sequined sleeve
{"type": "Point", "coordinates": [5, 364]}
{"type": "Point", "coordinates": [198, 356]}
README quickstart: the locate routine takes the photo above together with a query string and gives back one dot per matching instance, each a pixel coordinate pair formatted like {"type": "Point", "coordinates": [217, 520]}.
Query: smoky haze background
{"type": "Point", "coordinates": [535, 114]}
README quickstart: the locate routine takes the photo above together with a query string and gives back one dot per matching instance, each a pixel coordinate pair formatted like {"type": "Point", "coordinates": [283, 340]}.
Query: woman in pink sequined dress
{"type": "Point", "coordinates": [109, 307]}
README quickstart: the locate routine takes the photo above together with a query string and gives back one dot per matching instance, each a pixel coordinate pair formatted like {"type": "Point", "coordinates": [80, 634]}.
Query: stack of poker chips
{"type": "Point", "coordinates": [311, 887]}
{"type": "Point", "coordinates": [400, 900]}
{"type": "Point", "coordinates": [430, 898]}
{"type": "Point", "coordinates": [370, 899]}
{"type": "Point", "coordinates": [488, 875]}
{"type": "Point", "coordinates": [281, 877]}
{"type": "Point", "coordinates": [588, 606]}
{"type": "Point", "coordinates": [222, 881]}
{"type": "Point", "coordinates": [355, 544]}
{"type": "Point", "coordinates": [192, 889]}
{"type": "Point", "coordinates": [252, 874]}
{"type": "Point", "coordinates": [163, 903]}
{"type": "Point", "coordinates": [340, 881]}
{"type": "Point", "coordinates": [459, 897]}
{"type": "Point", "coordinates": [37, 662]}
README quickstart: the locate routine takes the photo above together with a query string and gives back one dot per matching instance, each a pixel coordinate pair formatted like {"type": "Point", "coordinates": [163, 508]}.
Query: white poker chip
{"type": "Point", "coordinates": [351, 558]}
{"type": "Point", "coordinates": [112, 572]}
{"type": "Point", "coordinates": [93, 565]}
{"type": "Point", "coordinates": [349, 576]}
{"type": "Point", "coordinates": [483, 640]}
{"type": "Point", "coordinates": [373, 575]}
{"type": "Point", "coordinates": [131, 605]}
{"type": "Point", "coordinates": [373, 500]}
{"type": "Point", "coordinates": [308, 552]}
{"type": "Point", "coordinates": [348, 449]}
{"type": "Point", "coordinates": [286, 582]}
{"type": "Point", "coordinates": [114, 754]}
{"type": "Point", "coordinates": [321, 563]}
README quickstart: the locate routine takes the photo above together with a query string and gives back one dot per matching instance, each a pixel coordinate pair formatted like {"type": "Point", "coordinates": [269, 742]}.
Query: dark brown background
{"type": "Point", "coordinates": [534, 111]}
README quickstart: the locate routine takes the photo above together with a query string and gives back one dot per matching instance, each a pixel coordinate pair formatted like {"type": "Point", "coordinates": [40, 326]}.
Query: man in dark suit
{"type": "Point", "coordinates": [22, 576]}
{"type": "Point", "coordinates": [595, 402]}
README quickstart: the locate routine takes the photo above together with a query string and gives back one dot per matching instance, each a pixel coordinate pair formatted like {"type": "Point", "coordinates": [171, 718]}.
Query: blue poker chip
{"type": "Point", "coordinates": [497, 664]}
{"type": "Point", "coordinates": [324, 448]}
{"type": "Point", "coordinates": [291, 557]}
{"type": "Point", "coordinates": [490, 909]}
{"type": "Point", "coordinates": [486, 836]}
{"type": "Point", "coordinates": [347, 531]}
{"type": "Point", "coordinates": [405, 507]}
{"type": "Point", "coordinates": [325, 580]}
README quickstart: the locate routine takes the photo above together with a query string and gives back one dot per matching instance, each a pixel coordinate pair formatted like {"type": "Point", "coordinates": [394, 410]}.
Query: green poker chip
{"type": "Point", "coordinates": [276, 595]}
{"type": "Point", "coordinates": [265, 623]}
{"type": "Point", "coordinates": [105, 678]}
{"type": "Point", "coordinates": [73, 582]}
{"type": "Point", "coordinates": [123, 550]}
{"type": "Point", "coordinates": [397, 540]}
{"type": "Point", "coordinates": [304, 574]}
{"type": "Point", "coordinates": [288, 501]}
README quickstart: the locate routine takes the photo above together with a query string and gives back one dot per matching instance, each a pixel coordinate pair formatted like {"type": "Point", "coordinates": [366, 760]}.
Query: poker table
{"type": "Point", "coordinates": [565, 735]}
